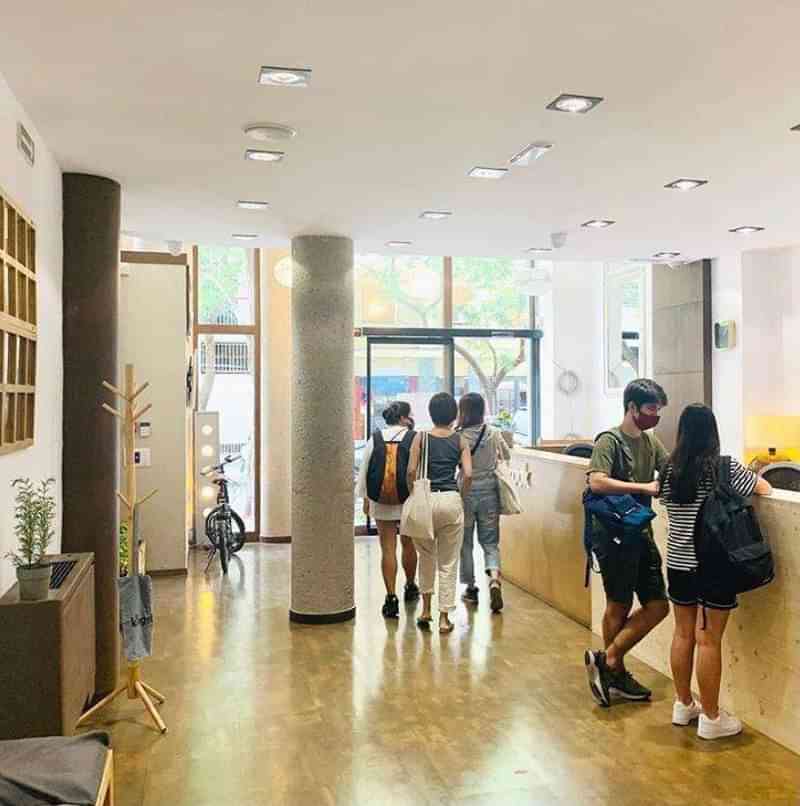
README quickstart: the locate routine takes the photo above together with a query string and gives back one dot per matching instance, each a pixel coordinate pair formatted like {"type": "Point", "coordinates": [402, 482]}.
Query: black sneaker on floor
{"type": "Point", "coordinates": [496, 598]}
{"type": "Point", "coordinates": [411, 593]}
{"type": "Point", "coordinates": [391, 607]}
{"type": "Point", "coordinates": [599, 677]}
{"type": "Point", "coordinates": [625, 685]}
{"type": "Point", "coordinates": [470, 595]}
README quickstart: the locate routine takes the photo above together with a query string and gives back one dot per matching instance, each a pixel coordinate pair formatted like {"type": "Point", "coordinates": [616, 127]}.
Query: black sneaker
{"type": "Point", "coordinates": [599, 675]}
{"type": "Point", "coordinates": [496, 598]}
{"type": "Point", "coordinates": [470, 595]}
{"type": "Point", "coordinates": [391, 607]}
{"type": "Point", "coordinates": [624, 685]}
{"type": "Point", "coordinates": [411, 592]}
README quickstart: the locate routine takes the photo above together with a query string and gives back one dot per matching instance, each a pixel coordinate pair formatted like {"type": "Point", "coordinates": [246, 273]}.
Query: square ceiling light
{"type": "Point", "coordinates": [530, 153]}
{"type": "Point", "coordinates": [244, 236]}
{"type": "Point", "coordinates": [686, 184]}
{"type": "Point", "coordinates": [252, 205]}
{"type": "Point", "coordinates": [666, 255]}
{"type": "Point", "coordinates": [285, 76]}
{"type": "Point", "coordinates": [598, 223]}
{"type": "Point", "coordinates": [398, 244]}
{"type": "Point", "coordinates": [487, 173]}
{"type": "Point", "coordinates": [435, 215]}
{"type": "Point", "coordinates": [574, 104]}
{"type": "Point", "coordinates": [746, 230]}
{"type": "Point", "coordinates": [538, 250]}
{"type": "Point", "coordinates": [259, 155]}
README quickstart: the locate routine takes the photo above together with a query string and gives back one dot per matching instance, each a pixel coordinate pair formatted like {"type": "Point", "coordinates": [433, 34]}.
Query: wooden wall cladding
{"type": "Point", "coordinates": [18, 320]}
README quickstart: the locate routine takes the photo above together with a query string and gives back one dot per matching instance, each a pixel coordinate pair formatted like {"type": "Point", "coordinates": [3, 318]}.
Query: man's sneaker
{"type": "Point", "coordinates": [724, 725]}
{"type": "Point", "coordinates": [684, 714]}
{"type": "Point", "coordinates": [470, 595]}
{"type": "Point", "coordinates": [495, 597]}
{"type": "Point", "coordinates": [599, 676]}
{"type": "Point", "coordinates": [624, 685]}
{"type": "Point", "coordinates": [391, 607]}
{"type": "Point", "coordinates": [411, 593]}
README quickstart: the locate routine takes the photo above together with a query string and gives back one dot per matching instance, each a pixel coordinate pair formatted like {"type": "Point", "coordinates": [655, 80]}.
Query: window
{"type": "Point", "coordinates": [624, 322]}
{"type": "Point", "coordinates": [226, 293]}
{"type": "Point", "coordinates": [486, 294]}
{"type": "Point", "coordinates": [232, 358]}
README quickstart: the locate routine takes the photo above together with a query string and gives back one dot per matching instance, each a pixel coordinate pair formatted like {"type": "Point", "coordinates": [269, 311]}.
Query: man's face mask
{"type": "Point", "coordinates": [645, 420]}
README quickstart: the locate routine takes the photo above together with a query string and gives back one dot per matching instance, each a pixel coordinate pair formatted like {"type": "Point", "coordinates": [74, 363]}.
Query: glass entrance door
{"type": "Point", "coordinates": [411, 370]}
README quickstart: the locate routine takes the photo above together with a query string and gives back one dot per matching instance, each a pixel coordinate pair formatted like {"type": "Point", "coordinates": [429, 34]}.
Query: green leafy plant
{"type": "Point", "coordinates": [34, 512]}
{"type": "Point", "coordinates": [504, 421]}
{"type": "Point", "coordinates": [124, 550]}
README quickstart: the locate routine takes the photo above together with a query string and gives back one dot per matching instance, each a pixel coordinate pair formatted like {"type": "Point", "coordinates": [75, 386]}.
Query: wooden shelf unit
{"type": "Point", "coordinates": [18, 328]}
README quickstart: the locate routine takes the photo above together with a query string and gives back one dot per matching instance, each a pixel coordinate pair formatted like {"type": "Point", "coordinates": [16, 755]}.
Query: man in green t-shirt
{"type": "Point", "coordinates": [625, 461]}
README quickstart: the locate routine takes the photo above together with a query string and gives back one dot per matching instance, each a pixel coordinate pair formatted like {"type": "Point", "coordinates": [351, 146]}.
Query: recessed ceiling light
{"type": "Point", "coordinates": [575, 104]}
{"type": "Point", "coordinates": [746, 230]}
{"type": "Point", "coordinates": [263, 156]}
{"type": "Point", "coordinates": [686, 184]}
{"type": "Point", "coordinates": [252, 205]}
{"type": "Point", "coordinates": [598, 223]}
{"type": "Point", "coordinates": [435, 215]}
{"type": "Point", "coordinates": [487, 173]}
{"type": "Point", "coordinates": [666, 255]}
{"type": "Point", "coordinates": [398, 244]}
{"type": "Point", "coordinates": [269, 131]}
{"type": "Point", "coordinates": [539, 249]}
{"type": "Point", "coordinates": [244, 236]}
{"type": "Point", "coordinates": [795, 128]}
{"type": "Point", "coordinates": [285, 76]}
{"type": "Point", "coordinates": [530, 153]}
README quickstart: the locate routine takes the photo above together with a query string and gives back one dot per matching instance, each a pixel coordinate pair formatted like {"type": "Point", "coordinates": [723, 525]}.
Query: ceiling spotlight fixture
{"type": "Point", "coordinates": [574, 104]}
{"type": "Point", "coordinates": [530, 153]}
{"type": "Point", "coordinates": [686, 184]}
{"type": "Point", "coordinates": [252, 205]}
{"type": "Point", "coordinates": [795, 128]}
{"type": "Point", "coordinates": [435, 215]}
{"type": "Point", "coordinates": [244, 236]}
{"type": "Point", "coordinates": [269, 131]}
{"type": "Point", "coordinates": [398, 244]}
{"type": "Point", "coordinates": [598, 223]}
{"type": "Point", "coordinates": [487, 173]}
{"type": "Point", "coordinates": [536, 250]}
{"type": "Point", "coordinates": [746, 230]}
{"type": "Point", "coordinates": [263, 156]}
{"type": "Point", "coordinates": [285, 76]}
{"type": "Point", "coordinates": [666, 255]}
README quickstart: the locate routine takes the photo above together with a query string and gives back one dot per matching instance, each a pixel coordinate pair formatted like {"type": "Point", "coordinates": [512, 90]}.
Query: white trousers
{"type": "Point", "coordinates": [443, 551]}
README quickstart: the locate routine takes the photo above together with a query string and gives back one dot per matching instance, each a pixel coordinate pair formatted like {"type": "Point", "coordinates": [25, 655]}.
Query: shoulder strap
{"type": "Point", "coordinates": [624, 464]}
{"type": "Point", "coordinates": [423, 456]}
{"type": "Point", "coordinates": [477, 444]}
{"type": "Point", "coordinates": [377, 437]}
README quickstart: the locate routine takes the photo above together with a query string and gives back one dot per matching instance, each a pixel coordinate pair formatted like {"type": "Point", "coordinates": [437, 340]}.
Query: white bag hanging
{"type": "Point", "coordinates": [509, 500]}
{"type": "Point", "coordinates": [417, 518]}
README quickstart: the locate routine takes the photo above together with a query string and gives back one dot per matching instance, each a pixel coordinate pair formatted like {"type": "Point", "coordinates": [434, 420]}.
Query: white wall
{"type": "Point", "coordinates": [37, 191]}
{"type": "Point", "coordinates": [572, 320]}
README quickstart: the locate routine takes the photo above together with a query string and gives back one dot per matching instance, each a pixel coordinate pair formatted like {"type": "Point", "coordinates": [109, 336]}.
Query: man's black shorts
{"type": "Point", "coordinates": [629, 565]}
{"type": "Point", "coordinates": [686, 588]}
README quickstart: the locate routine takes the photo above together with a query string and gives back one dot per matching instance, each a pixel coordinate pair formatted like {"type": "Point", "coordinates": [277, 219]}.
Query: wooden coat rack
{"type": "Point", "coordinates": [134, 685]}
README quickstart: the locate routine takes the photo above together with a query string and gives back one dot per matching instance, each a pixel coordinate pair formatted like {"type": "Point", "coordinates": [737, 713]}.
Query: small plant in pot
{"type": "Point", "coordinates": [35, 509]}
{"type": "Point", "coordinates": [505, 422]}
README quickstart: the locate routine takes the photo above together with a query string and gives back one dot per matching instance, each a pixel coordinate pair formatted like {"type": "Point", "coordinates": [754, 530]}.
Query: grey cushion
{"type": "Point", "coordinates": [53, 770]}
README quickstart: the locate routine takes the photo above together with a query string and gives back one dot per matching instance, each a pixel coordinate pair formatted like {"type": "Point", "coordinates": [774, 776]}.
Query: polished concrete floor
{"type": "Point", "coordinates": [498, 712]}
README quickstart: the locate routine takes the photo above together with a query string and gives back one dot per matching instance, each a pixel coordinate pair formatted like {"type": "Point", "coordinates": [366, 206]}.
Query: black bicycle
{"type": "Point", "coordinates": [224, 528]}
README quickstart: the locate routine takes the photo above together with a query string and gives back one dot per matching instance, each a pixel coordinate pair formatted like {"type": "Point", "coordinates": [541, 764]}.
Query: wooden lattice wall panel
{"type": "Point", "coordinates": [18, 313]}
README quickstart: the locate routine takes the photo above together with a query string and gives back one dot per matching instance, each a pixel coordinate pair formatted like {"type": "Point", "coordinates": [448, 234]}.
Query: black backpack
{"type": "Point", "coordinates": [388, 468]}
{"type": "Point", "coordinates": [732, 554]}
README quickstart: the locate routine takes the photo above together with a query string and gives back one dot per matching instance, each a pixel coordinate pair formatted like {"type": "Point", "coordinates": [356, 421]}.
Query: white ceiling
{"type": "Point", "coordinates": [406, 97]}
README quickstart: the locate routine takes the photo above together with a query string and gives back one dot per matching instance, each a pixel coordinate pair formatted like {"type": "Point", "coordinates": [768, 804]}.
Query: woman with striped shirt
{"type": "Point", "coordinates": [689, 477]}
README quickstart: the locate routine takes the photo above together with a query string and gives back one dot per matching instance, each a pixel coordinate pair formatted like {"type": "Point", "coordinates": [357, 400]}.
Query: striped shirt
{"type": "Point", "coordinates": [683, 517]}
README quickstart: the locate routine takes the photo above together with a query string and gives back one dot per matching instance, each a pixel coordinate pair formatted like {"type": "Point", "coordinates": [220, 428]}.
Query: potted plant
{"type": "Point", "coordinates": [505, 422]}
{"type": "Point", "coordinates": [34, 514]}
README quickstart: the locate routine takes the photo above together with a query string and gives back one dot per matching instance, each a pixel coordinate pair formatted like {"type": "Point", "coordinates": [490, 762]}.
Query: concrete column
{"type": "Point", "coordinates": [322, 426]}
{"type": "Point", "coordinates": [91, 437]}
{"type": "Point", "coordinates": [276, 401]}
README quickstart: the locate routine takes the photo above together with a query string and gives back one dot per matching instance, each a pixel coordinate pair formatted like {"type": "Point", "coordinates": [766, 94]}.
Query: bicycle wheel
{"type": "Point", "coordinates": [222, 548]}
{"type": "Point", "coordinates": [214, 525]}
{"type": "Point", "coordinates": [237, 533]}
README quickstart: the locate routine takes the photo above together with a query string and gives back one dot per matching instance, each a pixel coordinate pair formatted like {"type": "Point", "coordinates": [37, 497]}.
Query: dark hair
{"type": "Point", "coordinates": [644, 392]}
{"type": "Point", "coordinates": [396, 411]}
{"type": "Point", "coordinates": [696, 453]}
{"type": "Point", "coordinates": [471, 410]}
{"type": "Point", "coordinates": [443, 409]}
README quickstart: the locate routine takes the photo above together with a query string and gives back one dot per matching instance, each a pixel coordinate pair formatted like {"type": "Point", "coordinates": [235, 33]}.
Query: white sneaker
{"type": "Point", "coordinates": [684, 714]}
{"type": "Point", "coordinates": [724, 725]}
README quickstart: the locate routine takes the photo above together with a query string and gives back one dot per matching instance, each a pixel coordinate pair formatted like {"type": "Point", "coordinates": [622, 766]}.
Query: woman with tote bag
{"type": "Point", "coordinates": [435, 459]}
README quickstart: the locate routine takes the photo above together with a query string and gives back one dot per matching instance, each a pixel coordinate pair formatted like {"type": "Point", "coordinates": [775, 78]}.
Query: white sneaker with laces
{"type": "Point", "coordinates": [684, 714]}
{"type": "Point", "coordinates": [724, 725]}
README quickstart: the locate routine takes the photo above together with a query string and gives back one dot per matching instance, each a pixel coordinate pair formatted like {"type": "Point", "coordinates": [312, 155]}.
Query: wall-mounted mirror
{"type": "Point", "coordinates": [624, 323]}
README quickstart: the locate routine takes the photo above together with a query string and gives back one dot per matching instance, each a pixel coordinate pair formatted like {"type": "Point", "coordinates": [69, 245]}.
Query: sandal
{"type": "Point", "coordinates": [446, 627]}
{"type": "Point", "coordinates": [424, 623]}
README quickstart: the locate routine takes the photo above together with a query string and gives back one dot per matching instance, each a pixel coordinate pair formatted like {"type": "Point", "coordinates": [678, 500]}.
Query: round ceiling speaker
{"type": "Point", "coordinates": [264, 132]}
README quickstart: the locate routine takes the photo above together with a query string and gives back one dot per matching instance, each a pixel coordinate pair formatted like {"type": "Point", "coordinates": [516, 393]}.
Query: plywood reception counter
{"type": "Point", "coordinates": [543, 554]}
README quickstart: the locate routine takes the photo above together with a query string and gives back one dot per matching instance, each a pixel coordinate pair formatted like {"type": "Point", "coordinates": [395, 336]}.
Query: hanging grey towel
{"type": "Point", "coordinates": [136, 616]}
{"type": "Point", "coordinates": [37, 772]}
